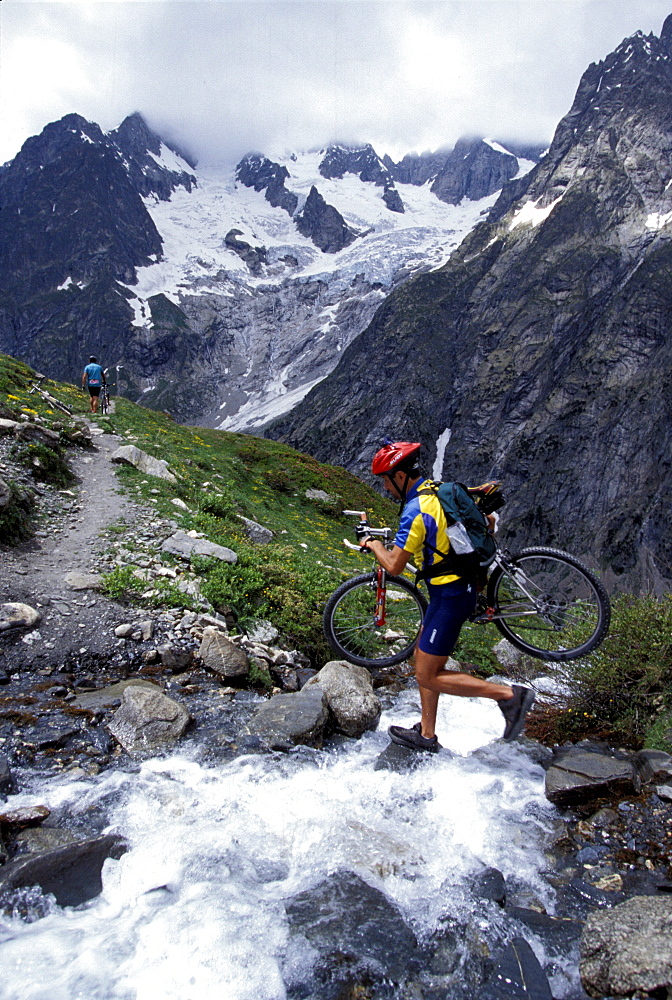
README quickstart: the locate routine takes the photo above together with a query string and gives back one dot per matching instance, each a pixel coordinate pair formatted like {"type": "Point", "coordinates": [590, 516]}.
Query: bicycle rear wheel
{"type": "Point", "coordinates": [348, 621]}
{"type": "Point", "coordinates": [551, 605]}
{"type": "Point", "coordinates": [103, 401]}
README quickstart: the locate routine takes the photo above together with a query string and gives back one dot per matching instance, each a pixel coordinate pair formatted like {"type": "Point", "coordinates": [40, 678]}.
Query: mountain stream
{"type": "Point", "coordinates": [201, 906]}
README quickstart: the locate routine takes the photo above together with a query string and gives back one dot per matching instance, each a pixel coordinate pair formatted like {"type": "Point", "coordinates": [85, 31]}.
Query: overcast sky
{"type": "Point", "coordinates": [228, 76]}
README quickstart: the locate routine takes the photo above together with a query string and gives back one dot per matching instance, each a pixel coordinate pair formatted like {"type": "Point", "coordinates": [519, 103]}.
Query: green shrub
{"type": "Point", "coordinates": [259, 675]}
{"type": "Point", "coordinates": [45, 464]}
{"type": "Point", "coordinates": [121, 585]}
{"type": "Point", "coordinates": [280, 481]}
{"type": "Point", "coordinates": [280, 583]}
{"type": "Point", "coordinates": [621, 690]}
{"type": "Point", "coordinates": [217, 504]}
{"type": "Point", "coordinates": [15, 523]}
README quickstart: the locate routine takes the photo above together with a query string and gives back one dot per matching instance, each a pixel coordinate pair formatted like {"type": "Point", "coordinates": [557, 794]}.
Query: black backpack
{"type": "Point", "coordinates": [466, 507]}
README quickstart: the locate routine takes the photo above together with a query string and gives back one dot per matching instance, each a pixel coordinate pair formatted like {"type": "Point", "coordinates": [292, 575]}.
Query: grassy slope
{"type": "Point", "coordinates": [221, 475]}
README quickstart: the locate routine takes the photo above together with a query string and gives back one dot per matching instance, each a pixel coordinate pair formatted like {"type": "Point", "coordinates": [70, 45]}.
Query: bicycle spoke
{"type": "Point", "coordinates": [549, 604]}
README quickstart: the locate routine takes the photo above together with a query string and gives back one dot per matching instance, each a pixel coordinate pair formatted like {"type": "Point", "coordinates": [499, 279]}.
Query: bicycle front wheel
{"type": "Point", "coordinates": [349, 625]}
{"type": "Point", "coordinates": [548, 604]}
{"type": "Point", "coordinates": [103, 402]}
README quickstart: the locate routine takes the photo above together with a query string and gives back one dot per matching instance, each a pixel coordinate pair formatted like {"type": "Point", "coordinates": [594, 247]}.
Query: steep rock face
{"type": "Point", "coordinates": [151, 164]}
{"type": "Point", "coordinates": [545, 344]}
{"type": "Point", "coordinates": [324, 224]}
{"type": "Point", "coordinates": [71, 227]}
{"type": "Point", "coordinates": [473, 170]}
{"type": "Point", "coordinates": [263, 174]}
{"type": "Point", "coordinates": [365, 162]}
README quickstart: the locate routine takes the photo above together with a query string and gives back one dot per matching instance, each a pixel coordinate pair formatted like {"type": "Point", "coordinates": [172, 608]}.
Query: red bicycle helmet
{"type": "Point", "coordinates": [392, 454]}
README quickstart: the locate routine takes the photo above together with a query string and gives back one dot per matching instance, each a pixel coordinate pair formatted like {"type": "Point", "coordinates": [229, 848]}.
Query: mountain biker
{"type": "Point", "coordinates": [422, 534]}
{"type": "Point", "coordinates": [94, 376]}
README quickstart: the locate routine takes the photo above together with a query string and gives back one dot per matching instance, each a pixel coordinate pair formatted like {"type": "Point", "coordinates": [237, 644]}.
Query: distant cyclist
{"type": "Point", "coordinates": [93, 376]}
{"type": "Point", "coordinates": [423, 534]}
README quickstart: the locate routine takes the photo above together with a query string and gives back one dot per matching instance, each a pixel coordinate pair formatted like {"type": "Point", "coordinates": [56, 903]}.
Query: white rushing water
{"type": "Point", "coordinates": [194, 910]}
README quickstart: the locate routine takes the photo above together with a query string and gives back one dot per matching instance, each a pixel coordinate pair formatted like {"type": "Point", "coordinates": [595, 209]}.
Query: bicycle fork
{"type": "Point", "coordinates": [381, 594]}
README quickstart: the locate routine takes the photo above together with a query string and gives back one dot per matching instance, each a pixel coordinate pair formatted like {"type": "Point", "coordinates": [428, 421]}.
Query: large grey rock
{"type": "Point", "coordinates": [14, 615]}
{"type": "Point", "coordinates": [256, 532]}
{"type": "Point", "coordinates": [577, 775]}
{"type": "Point", "coordinates": [654, 765]}
{"type": "Point", "coordinates": [8, 426]}
{"type": "Point", "coordinates": [221, 655]}
{"type": "Point", "coordinates": [183, 545]}
{"type": "Point", "coordinates": [353, 926]}
{"type": "Point", "coordinates": [107, 696]}
{"type": "Point", "coordinates": [128, 454]}
{"type": "Point", "coordinates": [148, 720]}
{"type": "Point", "coordinates": [350, 698]}
{"type": "Point", "coordinates": [72, 873]}
{"type": "Point", "coordinates": [34, 434]}
{"type": "Point", "coordinates": [290, 719]}
{"type": "Point", "coordinates": [628, 948]}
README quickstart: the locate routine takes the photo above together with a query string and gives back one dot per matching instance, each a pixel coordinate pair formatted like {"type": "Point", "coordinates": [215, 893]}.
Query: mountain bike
{"type": "Point", "coordinates": [104, 398]}
{"type": "Point", "coordinates": [543, 600]}
{"type": "Point", "coordinates": [36, 387]}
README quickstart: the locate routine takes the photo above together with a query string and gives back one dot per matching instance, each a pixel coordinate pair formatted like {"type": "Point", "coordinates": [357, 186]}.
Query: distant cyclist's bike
{"type": "Point", "coordinates": [544, 601]}
{"type": "Point", "coordinates": [104, 398]}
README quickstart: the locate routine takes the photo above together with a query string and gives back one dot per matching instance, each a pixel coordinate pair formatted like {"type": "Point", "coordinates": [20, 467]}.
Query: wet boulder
{"type": "Point", "coordinates": [353, 706]}
{"type": "Point", "coordinates": [287, 720]}
{"type": "Point", "coordinates": [72, 873]}
{"type": "Point", "coordinates": [518, 976]}
{"type": "Point", "coordinates": [6, 777]}
{"type": "Point", "coordinates": [355, 929]}
{"type": "Point", "coordinates": [628, 949]}
{"type": "Point", "coordinates": [578, 775]}
{"type": "Point", "coordinates": [147, 720]}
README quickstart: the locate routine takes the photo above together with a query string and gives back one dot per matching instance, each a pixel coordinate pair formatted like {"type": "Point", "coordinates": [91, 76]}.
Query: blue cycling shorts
{"type": "Point", "coordinates": [450, 604]}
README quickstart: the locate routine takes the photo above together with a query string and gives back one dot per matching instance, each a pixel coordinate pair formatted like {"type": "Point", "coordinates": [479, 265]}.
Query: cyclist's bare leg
{"type": "Point", "coordinates": [433, 680]}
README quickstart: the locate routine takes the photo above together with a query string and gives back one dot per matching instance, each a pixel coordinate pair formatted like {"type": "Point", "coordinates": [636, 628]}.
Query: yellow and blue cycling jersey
{"type": "Point", "coordinates": [423, 530]}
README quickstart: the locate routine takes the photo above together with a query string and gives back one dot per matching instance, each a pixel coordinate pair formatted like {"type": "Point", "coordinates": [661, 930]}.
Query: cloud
{"type": "Point", "coordinates": [227, 76]}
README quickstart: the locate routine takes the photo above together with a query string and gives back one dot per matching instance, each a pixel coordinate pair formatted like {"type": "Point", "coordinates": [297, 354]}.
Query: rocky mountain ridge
{"type": "Point", "coordinates": [542, 348]}
{"type": "Point", "coordinates": [252, 281]}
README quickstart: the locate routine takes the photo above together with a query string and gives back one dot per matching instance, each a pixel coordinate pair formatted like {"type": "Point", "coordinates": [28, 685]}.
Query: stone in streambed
{"type": "Point", "coordinates": [519, 976]}
{"type": "Point", "coordinates": [353, 927]}
{"type": "Point", "coordinates": [628, 948]}
{"type": "Point", "coordinates": [350, 698]}
{"type": "Point", "coordinates": [577, 776]}
{"type": "Point", "coordinates": [108, 696]}
{"type": "Point", "coordinates": [147, 720]}
{"type": "Point", "coordinates": [290, 719]}
{"type": "Point", "coordinates": [221, 655]}
{"type": "Point", "coordinates": [71, 873]}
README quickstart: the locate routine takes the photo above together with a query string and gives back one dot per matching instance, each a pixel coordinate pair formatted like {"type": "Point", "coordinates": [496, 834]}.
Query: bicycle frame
{"type": "Point", "coordinates": [481, 615]}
